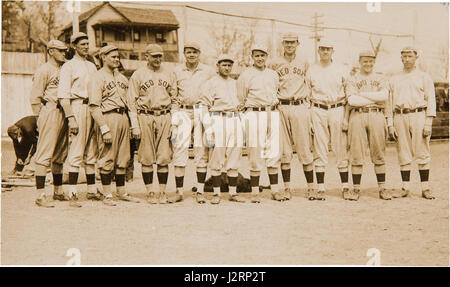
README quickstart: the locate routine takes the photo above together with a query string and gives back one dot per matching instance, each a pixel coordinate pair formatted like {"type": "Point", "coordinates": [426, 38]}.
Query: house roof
{"type": "Point", "coordinates": [157, 17]}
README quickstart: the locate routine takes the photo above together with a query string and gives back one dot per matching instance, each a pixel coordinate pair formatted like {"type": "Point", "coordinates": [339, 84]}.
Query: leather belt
{"type": "Point", "coordinates": [292, 102]}
{"type": "Point", "coordinates": [85, 101]}
{"type": "Point", "coordinates": [367, 110]}
{"type": "Point", "coordinates": [225, 114]}
{"type": "Point", "coordinates": [154, 112]}
{"type": "Point", "coordinates": [407, 111]}
{"type": "Point", "coordinates": [188, 107]}
{"type": "Point", "coordinates": [262, 109]}
{"type": "Point", "coordinates": [57, 104]}
{"type": "Point", "coordinates": [327, 107]}
{"type": "Point", "coordinates": [116, 110]}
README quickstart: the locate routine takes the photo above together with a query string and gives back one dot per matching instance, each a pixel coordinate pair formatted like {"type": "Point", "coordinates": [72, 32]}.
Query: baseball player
{"type": "Point", "coordinates": [73, 96]}
{"type": "Point", "coordinates": [294, 112]}
{"type": "Point", "coordinates": [366, 124]}
{"type": "Point", "coordinates": [412, 106]}
{"type": "Point", "coordinates": [190, 76]}
{"type": "Point", "coordinates": [327, 82]}
{"type": "Point", "coordinates": [24, 135]}
{"type": "Point", "coordinates": [107, 91]}
{"type": "Point", "coordinates": [223, 129]}
{"type": "Point", "coordinates": [151, 93]}
{"type": "Point", "coordinates": [257, 90]}
{"type": "Point", "coordinates": [52, 142]}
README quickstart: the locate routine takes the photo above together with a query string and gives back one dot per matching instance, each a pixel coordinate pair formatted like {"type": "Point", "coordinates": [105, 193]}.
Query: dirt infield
{"type": "Point", "coordinates": [410, 231]}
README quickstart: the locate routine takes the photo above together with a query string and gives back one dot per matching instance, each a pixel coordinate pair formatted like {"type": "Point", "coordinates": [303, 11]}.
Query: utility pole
{"type": "Point", "coordinates": [316, 29]}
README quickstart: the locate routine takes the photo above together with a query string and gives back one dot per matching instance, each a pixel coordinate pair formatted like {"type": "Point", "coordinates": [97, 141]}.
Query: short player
{"type": "Point", "coordinates": [24, 135]}
{"type": "Point", "coordinates": [107, 91]}
{"type": "Point", "coordinates": [190, 77]}
{"type": "Point", "coordinates": [412, 106]}
{"type": "Point", "coordinates": [223, 129]}
{"type": "Point", "coordinates": [367, 95]}
{"type": "Point", "coordinates": [257, 90]}
{"type": "Point", "coordinates": [52, 143]}
{"type": "Point", "coordinates": [327, 82]}
{"type": "Point", "coordinates": [151, 93]}
{"type": "Point", "coordinates": [73, 96]}
{"type": "Point", "coordinates": [294, 112]}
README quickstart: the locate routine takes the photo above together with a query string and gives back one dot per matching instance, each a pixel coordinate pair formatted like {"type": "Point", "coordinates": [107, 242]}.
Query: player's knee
{"type": "Point", "coordinates": [232, 172]}
{"type": "Point", "coordinates": [163, 168]}
{"type": "Point", "coordinates": [285, 166]}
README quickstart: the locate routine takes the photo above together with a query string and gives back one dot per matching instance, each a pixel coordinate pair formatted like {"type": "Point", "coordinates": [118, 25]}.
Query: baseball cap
{"type": "Point", "coordinates": [193, 45]}
{"type": "Point", "coordinates": [77, 36]}
{"type": "Point", "coordinates": [289, 37]}
{"type": "Point", "coordinates": [260, 47]}
{"type": "Point", "coordinates": [408, 49]}
{"type": "Point", "coordinates": [56, 44]}
{"type": "Point", "coordinates": [154, 49]}
{"type": "Point", "coordinates": [108, 49]}
{"type": "Point", "coordinates": [367, 53]}
{"type": "Point", "coordinates": [224, 57]}
{"type": "Point", "coordinates": [325, 43]}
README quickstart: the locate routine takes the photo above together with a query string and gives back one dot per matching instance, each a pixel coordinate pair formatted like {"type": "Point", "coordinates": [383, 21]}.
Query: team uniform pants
{"type": "Point", "coordinates": [262, 137]}
{"type": "Point", "coordinates": [117, 153]}
{"type": "Point", "coordinates": [83, 146]}
{"type": "Point", "coordinates": [411, 144]}
{"type": "Point", "coordinates": [367, 129]}
{"type": "Point", "coordinates": [327, 125]}
{"type": "Point", "coordinates": [228, 142]}
{"type": "Point", "coordinates": [188, 122]}
{"type": "Point", "coordinates": [155, 139]}
{"type": "Point", "coordinates": [296, 130]}
{"type": "Point", "coordinates": [53, 138]}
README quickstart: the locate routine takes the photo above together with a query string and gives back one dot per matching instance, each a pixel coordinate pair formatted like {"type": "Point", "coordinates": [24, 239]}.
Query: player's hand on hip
{"type": "Point", "coordinates": [392, 134]}
{"type": "Point", "coordinates": [173, 133]}
{"type": "Point", "coordinates": [426, 131]}
{"type": "Point", "coordinates": [136, 133]}
{"type": "Point", "coordinates": [73, 126]}
{"type": "Point", "coordinates": [209, 139]}
{"type": "Point", "coordinates": [107, 138]}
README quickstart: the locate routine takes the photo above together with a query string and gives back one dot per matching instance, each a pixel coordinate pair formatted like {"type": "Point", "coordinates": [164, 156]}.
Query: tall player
{"type": "Point", "coordinates": [294, 112]}
{"type": "Point", "coordinates": [107, 90]}
{"type": "Point", "coordinates": [367, 95]}
{"type": "Point", "coordinates": [52, 142]}
{"type": "Point", "coordinates": [190, 77]}
{"type": "Point", "coordinates": [412, 106]}
{"type": "Point", "coordinates": [73, 96]}
{"type": "Point", "coordinates": [151, 94]}
{"type": "Point", "coordinates": [257, 90]}
{"type": "Point", "coordinates": [327, 81]}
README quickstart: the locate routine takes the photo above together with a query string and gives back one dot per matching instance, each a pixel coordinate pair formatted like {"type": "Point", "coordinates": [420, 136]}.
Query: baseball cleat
{"type": "Point", "coordinates": [126, 197]}
{"type": "Point", "coordinates": [152, 198]}
{"type": "Point", "coordinates": [346, 194]}
{"type": "Point", "coordinates": [94, 196]}
{"type": "Point", "coordinates": [200, 198]}
{"type": "Point", "coordinates": [60, 197]}
{"type": "Point", "coordinates": [287, 194]}
{"type": "Point", "coordinates": [176, 198]}
{"type": "Point", "coordinates": [320, 195]}
{"type": "Point", "coordinates": [255, 199]}
{"type": "Point", "coordinates": [403, 193]}
{"type": "Point", "coordinates": [44, 202]}
{"type": "Point", "coordinates": [427, 194]}
{"type": "Point", "coordinates": [215, 199]}
{"type": "Point", "coordinates": [385, 194]}
{"type": "Point", "coordinates": [236, 198]}
{"type": "Point", "coordinates": [163, 198]}
{"type": "Point", "coordinates": [73, 201]}
{"type": "Point", "coordinates": [354, 195]}
{"type": "Point", "coordinates": [278, 196]}
{"type": "Point", "coordinates": [109, 202]}
{"type": "Point", "coordinates": [311, 194]}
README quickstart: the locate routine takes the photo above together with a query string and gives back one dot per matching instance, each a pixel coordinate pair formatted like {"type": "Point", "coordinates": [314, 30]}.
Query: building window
{"type": "Point", "coordinates": [159, 37]}
{"type": "Point", "coordinates": [98, 40]}
{"type": "Point", "coordinates": [119, 35]}
{"type": "Point", "coordinates": [134, 56]}
{"type": "Point", "coordinates": [137, 36]}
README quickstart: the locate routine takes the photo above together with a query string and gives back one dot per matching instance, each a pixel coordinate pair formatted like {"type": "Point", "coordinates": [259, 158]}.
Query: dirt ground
{"type": "Point", "coordinates": [409, 231]}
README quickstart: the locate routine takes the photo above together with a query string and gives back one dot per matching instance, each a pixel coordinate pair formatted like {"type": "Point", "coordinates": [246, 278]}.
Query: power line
{"type": "Point", "coordinates": [299, 24]}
